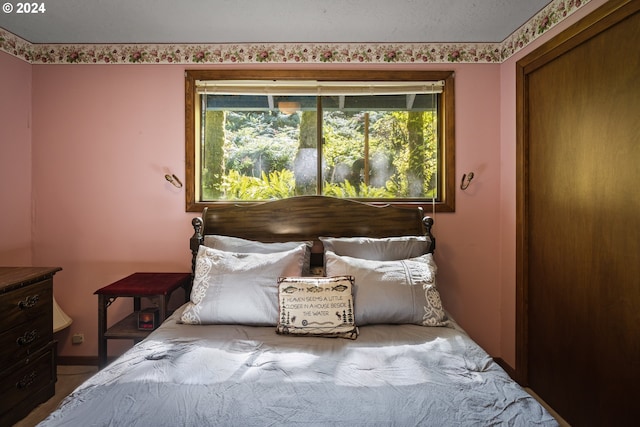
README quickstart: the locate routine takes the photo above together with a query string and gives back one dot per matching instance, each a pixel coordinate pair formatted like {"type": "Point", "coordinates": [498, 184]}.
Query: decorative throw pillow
{"type": "Point", "coordinates": [239, 288]}
{"type": "Point", "coordinates": [317, 306]}
{"type": "Point", "coordinates": [237, 244]}
{"type": "Point", "coordinates": [400, 291]}
{"type": "Point", "coordinates": [381, 249]}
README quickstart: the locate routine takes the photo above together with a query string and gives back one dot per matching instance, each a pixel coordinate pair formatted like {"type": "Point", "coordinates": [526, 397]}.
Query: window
{"type": "Point", "coordinates": [377, 136]}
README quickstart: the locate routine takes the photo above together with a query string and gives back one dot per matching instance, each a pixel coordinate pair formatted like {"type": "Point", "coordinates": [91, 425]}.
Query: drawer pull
{"type": "Point", "coordinates": [29, 302]}
{"type": "Point", "coordinates": [26, 381]}
{"type": "Point", "coordinates": [28, 337]}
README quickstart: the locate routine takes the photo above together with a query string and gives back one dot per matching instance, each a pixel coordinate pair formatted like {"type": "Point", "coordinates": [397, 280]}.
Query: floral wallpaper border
{"type": "Point", "coordinates": [547, 18]}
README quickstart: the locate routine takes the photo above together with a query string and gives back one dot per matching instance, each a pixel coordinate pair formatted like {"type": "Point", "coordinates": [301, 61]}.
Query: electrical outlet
{"type": "Point", "coordinates": [77, 338]}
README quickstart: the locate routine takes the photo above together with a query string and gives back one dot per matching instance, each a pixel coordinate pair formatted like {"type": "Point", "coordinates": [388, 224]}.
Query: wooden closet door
{"type": "Point", "coordinates": [582, 231]}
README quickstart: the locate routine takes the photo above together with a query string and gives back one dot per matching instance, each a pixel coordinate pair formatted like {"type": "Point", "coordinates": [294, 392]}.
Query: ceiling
{"type": "Point", "coordinates": [270, 21]}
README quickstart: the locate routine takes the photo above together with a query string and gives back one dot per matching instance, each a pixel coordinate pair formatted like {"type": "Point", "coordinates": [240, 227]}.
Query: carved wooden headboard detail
{"type": "Point", "coordinates": [306, 218]}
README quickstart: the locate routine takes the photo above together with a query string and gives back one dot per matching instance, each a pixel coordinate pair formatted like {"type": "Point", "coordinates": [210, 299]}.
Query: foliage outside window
{"type": "Point", "coordinates": [384, 137]}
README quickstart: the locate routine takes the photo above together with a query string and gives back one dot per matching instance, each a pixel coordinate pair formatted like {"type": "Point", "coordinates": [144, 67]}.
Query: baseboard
{"type": "Point", "coordinates": [508, 369]}
{"type": "Point", "coordinates": [78, 360]}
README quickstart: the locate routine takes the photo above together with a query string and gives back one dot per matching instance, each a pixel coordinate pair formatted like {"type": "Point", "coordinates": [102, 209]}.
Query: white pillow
{"type": "Point", "coordinates": [239, 288]}
{"type": "Point", "coordinates": [400, 291]}
{"type": "Point", "coordinates": [237, 244]}
{"type": "Point", "coordinates": [316, 306]}
{"type": "Point", "coordinates": [381, 249]}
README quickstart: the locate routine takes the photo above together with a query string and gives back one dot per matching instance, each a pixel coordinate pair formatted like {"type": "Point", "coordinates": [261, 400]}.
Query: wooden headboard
{"type": "Point", "coordinates": [305, 218]}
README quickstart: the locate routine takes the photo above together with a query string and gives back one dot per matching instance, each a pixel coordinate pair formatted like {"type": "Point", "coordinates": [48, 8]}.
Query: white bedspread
{"type": "Point", "coordinates": [401, 375]}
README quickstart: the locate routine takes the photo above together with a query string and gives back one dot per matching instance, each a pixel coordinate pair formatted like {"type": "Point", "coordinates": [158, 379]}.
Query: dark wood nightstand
{"type": "Point", "coordinates": [136, 286]}
{"type": "Point", "coordinates": [27, 348]}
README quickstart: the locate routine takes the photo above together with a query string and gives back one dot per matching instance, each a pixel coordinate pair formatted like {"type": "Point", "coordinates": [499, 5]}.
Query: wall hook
{"type": "Point", "coordinates": [174, 180]}
{"type": "Point", "coordinates": [466, 180]}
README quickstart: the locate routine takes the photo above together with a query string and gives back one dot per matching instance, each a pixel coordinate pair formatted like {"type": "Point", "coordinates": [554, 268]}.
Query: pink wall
{"type": "Point", "coordinates": [467, 239]}
{"type": "Point", "coordinates": [104, 136]}
{"type": "Point", "coordinates": [15, 161]}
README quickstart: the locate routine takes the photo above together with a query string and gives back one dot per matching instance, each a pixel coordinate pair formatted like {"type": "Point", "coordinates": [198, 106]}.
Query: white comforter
{"type": "Point", "coordinates": [228, 375]}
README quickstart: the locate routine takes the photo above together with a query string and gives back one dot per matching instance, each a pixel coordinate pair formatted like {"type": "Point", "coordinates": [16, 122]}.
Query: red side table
{"type": "Point", "coordinates": [136, 286]}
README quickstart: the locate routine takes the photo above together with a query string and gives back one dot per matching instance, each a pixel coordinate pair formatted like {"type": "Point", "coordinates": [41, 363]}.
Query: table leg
{"type": "Point", "coordinates": [102, 328]}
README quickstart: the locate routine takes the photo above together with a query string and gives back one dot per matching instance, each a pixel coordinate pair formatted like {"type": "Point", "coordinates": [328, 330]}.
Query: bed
{"type": "Point", "coordinates": [306, 311]}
